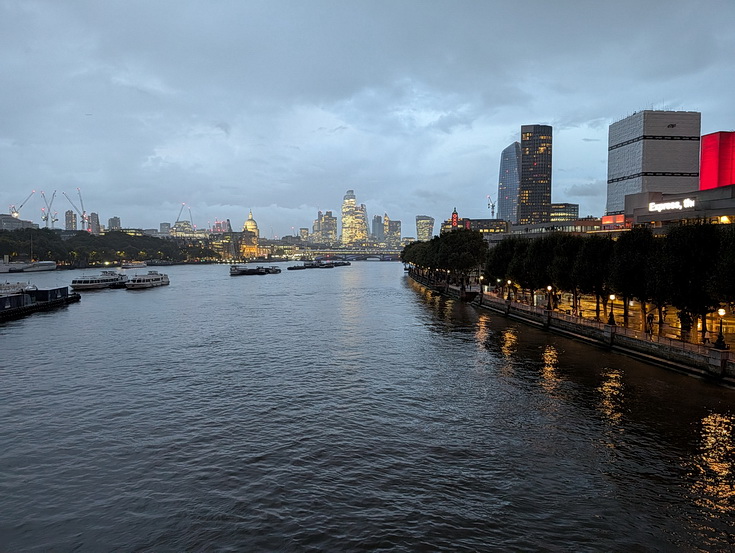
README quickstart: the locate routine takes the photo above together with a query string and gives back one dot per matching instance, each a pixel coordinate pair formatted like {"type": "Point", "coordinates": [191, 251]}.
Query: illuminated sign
{"type": "Point", "coordinates": [455, 219]}
{"type": "Point", "coordinates": [686, 203]}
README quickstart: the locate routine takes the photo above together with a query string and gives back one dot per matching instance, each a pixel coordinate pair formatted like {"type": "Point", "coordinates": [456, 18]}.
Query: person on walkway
{"type": "Point", "coordinates": [705, 337]}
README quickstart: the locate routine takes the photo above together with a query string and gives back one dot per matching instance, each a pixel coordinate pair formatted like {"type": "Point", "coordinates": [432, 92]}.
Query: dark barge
{"type": "Point", "coordinates": [20, 299]}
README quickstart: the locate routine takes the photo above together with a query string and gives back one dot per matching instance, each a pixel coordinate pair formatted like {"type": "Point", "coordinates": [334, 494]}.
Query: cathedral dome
{"type": "Point", "coordinates": [251, 225]}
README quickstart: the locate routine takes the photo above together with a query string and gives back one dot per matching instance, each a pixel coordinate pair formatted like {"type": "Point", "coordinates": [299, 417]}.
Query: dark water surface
{"type": "Point", "coordinates": [344, 409]}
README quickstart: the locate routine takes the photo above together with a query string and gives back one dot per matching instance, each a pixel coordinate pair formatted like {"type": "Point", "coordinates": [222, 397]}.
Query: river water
{"type": "Point", "coordinates": [344, 409]}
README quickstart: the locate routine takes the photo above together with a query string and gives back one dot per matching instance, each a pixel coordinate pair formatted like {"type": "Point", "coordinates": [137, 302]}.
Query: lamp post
{"type": "Point", "coordinates": [509, 290]}
{"type": "Point", "coordinates": [720, 342]}
{"type": "Point", "coordinates": [548, 296]}
{"type": "Point", "coordinates": [611, 319]}
{"type": "Point", "coordinates": [482, 277]}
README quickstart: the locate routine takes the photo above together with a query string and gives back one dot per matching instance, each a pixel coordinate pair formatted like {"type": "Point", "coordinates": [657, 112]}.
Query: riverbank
{"type": "Point", "coordinates": [697, 360]}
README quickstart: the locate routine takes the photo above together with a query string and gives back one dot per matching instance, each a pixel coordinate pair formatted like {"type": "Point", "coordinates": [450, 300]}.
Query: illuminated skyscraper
{"type": "Point", "coordinates": [424, 228]}
{"type": "Point", "coordinates": [354, 221]}
{"type": "Point", "coordinates": [508, 182]}
{"type": "Point", "coordinates": [652, 151]}
{"type": "Point", "coordinates": [324, 230]}
{"type": "Point", "coordinates": [534, 191]}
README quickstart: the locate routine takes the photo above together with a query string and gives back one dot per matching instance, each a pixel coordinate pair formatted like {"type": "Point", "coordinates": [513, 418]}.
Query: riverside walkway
{"type": "Point", "coordinates": [660, 347]}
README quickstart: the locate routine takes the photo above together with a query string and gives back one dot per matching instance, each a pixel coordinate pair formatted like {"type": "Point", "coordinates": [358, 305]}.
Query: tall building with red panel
{"type": "Point", "coordinates": [717, 166]}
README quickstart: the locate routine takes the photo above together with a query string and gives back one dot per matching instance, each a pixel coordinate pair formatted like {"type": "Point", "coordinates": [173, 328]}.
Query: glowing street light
{"type": "Point", "coordinates": [548, 295]}
{"type": "Point", "coordinates": [611, 320]}
{"type": "Point", "coordinates": [509, 290]}
{"type": "Point", "coordinates": [720, 342]}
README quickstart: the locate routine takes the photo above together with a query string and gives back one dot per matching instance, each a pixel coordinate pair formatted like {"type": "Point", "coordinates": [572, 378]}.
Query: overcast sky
{"type": "Point", "coordinates": [279, 107]}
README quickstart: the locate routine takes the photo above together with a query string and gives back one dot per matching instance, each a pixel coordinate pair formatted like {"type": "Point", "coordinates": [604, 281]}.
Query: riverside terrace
{"type": "Point", "coordinates": [660, 347]}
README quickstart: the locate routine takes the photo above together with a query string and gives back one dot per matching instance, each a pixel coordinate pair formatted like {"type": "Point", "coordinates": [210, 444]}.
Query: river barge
{"type": "Point", "coordinates": [20, 299]}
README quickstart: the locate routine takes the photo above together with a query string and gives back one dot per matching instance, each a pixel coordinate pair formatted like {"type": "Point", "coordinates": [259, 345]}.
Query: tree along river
{"type": "Point", "coordinates": [344, 409]}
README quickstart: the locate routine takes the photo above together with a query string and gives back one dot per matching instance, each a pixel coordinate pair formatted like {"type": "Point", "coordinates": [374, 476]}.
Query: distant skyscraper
{"type": "Point", "coordinates": [94, 223]}
{"type": "Point", "coordinates": [652, 151]}
{"type": "Point", "coordinates": [717, 167]}
{"type": "Point", "coordinates": [324, 230]}
{"type": "Point", "coordinates": [378, 230]}
{"type": "Point", "coordinates": [354, 221]}
{"type": "Point", "coordinates": [392, 231]}
{"type": "Point", "coordinates": [534, 191]}
{"type": "Point", "coordinates": [113, 223]}
{"type": "Point", "coordinates": [509, 181]}
{"type": "Point", "coordinates": [424, 228]}
{"type": "Point", "coordinates": [164, 229]}
{"type": "Point", "coordinates": [70, 220]}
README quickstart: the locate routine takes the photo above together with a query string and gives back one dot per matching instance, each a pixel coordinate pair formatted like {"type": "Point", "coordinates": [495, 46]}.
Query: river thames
{"type": "Point", "coordinates": [344, 409]}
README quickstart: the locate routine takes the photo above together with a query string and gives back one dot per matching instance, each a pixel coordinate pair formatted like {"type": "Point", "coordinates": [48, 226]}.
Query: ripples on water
{"type": "Point", "coordinates": [344, 410]}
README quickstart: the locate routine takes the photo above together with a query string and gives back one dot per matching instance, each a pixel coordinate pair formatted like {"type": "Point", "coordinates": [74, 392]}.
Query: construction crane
{"type": "Point", "coordinates": [491, 206]}
{"type": "Point", "coordinates": [15, 212]}
{"type": "Point", "coordinates": [178, 217]}
{"type": "Point", "coordinates": [46, 212]}
{"type": "Point", "coordinates": [82, 214]}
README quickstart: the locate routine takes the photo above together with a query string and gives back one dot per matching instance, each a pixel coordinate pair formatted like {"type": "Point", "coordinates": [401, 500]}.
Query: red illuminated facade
{"type": "Point", "coordinates": [717, 165]}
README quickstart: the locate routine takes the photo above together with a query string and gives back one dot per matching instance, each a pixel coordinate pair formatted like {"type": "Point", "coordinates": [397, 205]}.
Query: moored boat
{"type": "Point", "coordinates": [35, 266]}
{"type": "Point", "coordinates": [106, 279]}
{"type": "Point", "coordinates": [237, 270]}
{"type": "Point", "coordinates": [20, 299]}
{"type": "Point", "coordinates": [149, 280]}
{"type": "Point", "coordinates": [133, 265]}
{"type": "Point", "coordinates": [272, 270]}
{"type": "Point", "coordinates": [12, 266]}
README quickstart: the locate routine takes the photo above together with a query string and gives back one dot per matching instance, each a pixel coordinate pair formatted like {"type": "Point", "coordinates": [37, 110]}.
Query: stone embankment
{"type": "Point", "coordinates": [694, 359]}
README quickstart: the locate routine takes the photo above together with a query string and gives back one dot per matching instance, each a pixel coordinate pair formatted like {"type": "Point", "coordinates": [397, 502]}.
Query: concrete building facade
{"type": "Point", "coordinates": [652, 151]}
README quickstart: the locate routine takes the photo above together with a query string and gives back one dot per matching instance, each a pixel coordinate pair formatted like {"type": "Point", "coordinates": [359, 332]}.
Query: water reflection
{"type": "Point", "coordinates": [550, 378]}
{"type": "Point", "coordinates": [715, 478]}
{"type": "Point", "coordinates": [611, 395]}
{"type": "Point", "coordinates": [483, 331]}
{"type": "Point", "coordinates": [509, 342]}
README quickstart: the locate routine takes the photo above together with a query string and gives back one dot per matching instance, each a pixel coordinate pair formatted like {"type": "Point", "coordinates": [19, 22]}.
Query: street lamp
{"type": "Point", "coordinates": [509, 290]}
{"type": "Point", "coordinates": [720, 342]}
{"type": "Point", "coordinates": [482, 277]}
{"type": "Point", "coordinates": [611, 320]}
{"type": "Point", "coordinates": [548, 296]}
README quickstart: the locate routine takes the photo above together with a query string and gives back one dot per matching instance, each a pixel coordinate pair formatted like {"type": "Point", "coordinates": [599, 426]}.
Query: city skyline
{"type": "Point", "coordinates": [279, 107]}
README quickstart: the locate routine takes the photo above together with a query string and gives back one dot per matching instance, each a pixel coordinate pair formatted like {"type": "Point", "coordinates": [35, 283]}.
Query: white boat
{"type": "Point", "coordinates": [106, 279]}
{"type": "Point", "coordinates": [149, 280]}
{"type": "Point", "coordinates": [133, 265]}
{"type": "Point", "coordinates": [12, 266]}
{"type": "Point", "coordinates": [34, 266]}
